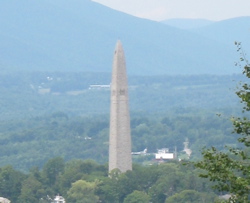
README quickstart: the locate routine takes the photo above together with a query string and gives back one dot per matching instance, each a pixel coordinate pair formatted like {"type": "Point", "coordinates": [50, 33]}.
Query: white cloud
{"type": "Point", "coordinates": [155, 13]}
{"type": "Point", "coordinates": [163, 9]}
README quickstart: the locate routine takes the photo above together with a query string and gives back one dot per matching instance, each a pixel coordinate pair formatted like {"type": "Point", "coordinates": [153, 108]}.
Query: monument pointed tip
{"type": "Point", "coordinates": [118, 48]}
{"type": "Point", "coordinates": [118, 43]}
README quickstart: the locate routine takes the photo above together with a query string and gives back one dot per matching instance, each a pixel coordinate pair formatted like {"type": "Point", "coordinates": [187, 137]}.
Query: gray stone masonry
{"type": "Point", "coordinates": [119, 138]}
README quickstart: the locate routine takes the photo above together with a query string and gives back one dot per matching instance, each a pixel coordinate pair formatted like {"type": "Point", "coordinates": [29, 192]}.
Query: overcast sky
{"type": "Point", "coordinates": [167, 9]}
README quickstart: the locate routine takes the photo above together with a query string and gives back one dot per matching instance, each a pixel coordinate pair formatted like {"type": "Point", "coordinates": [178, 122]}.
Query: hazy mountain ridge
{"type": "Point", "coordinates": [81, 35]}
{"type": "Point", "coordinates": [187, 23]}
{"type": "Point", "coordinates": [224, 31]}
{"type": "Point", "coordinates": [228, 31]}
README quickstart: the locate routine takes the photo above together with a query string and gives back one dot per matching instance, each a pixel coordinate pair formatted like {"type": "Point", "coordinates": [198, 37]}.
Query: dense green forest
{"type": "Point", "coordinates": [52, 114]}
{"type": "Point", "coordinates": [49, 114]}
{"type": "Point", "coordinates": [27, 94]}
{"type": "Point", "coordinates": [31, 142]}
{"type": "Point", "coordinates": [86, 181]}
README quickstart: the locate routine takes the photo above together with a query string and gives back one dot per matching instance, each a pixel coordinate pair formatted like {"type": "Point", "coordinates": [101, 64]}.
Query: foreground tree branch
{"type": "Point", "coordinates": [230, 170]}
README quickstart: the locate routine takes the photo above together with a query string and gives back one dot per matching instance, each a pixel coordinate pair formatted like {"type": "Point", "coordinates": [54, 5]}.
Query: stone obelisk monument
{"type": "Point", "coordinates": [119, 138]}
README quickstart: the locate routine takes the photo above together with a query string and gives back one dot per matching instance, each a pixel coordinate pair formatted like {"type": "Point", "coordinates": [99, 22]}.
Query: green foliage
{"type": "Point", "coordinates": [32, 190]}
{"type": "Point", "coordinates": [83, 192]}
{"type": "Point", "coordinates": [52, 169]}
{"type": "Point", "coordinates": [191, 196]}
{"type": "Point", "coordinates": [230, 170]}
{"type": "Point", "coordinates": [38, 139]}
{"type": "Point", "coordinates": [67, 131]}
{"type": "Point", "coordinates": [32, 94]}
{"type": "Point", "coordinates": [78, 169]}
{"type": "Point", "coordinates": [87, 181]}
{"type": "Point", "coordinates": [137, 197]}
{"type": "Point", "coordinates": [10, 183]}
{"type": "Point", "coordinates": [108, 190]}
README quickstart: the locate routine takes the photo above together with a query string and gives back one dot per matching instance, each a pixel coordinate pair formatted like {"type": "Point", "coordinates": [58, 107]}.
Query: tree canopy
{"type": "Point", "coordinates": [229, 169]}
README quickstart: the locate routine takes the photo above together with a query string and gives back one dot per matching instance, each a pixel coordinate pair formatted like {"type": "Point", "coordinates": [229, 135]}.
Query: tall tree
{"type": "Point", "coordinates": [52, 169]}
{"type": "Point", "coordinates": [83, 192]}
{"type": "Point", "coordinates": [137, 197]}
{"type": "Point", "coordinates": [32, 190]}
{"type": "Point", "coordinates": [10, 183]}
{"type": "Point", "coordinates": [193, 196]}
{"type": "Point", "coordinates": [230, 170]}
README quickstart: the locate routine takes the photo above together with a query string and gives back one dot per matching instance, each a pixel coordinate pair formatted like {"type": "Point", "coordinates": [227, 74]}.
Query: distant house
{"type": "Point", "coordinates": [164, 154]}
{"type": "Point", "coordinates": [4, 200]}
{"type": "Point", "coordinates": [225, 197]}
{"type": "Point", "coordinates": [99, 87]}
{"type": "Point", "coordinates": [58, 199]}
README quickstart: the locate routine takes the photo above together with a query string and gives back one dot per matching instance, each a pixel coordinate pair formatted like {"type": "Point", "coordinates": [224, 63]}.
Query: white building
{"type": "Point", "coordinates": [4, 200]}
{"type": "Point", "coordinates": [59, 199]}
{"type": "Point", "coordinates": [164, 154]}
{"type": "Point", "coordinates": [99, 87]}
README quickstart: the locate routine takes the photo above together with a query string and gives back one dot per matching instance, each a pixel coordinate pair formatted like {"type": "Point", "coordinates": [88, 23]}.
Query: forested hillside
{"type": "Point", "coordinates": [89, 182]}
{"type": "Point", "coordinates": [27, 94]}
{"type": "Point", "coordinates": [65, 116]}
{"type": "Point", "coordinates": [44, 115]}
{"type": "Point", "coordinates": [31, 142]}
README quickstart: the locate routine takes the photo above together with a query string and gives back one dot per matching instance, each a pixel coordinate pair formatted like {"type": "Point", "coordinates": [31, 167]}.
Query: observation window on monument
{"type": "Point", "coordinates": [122, 92]}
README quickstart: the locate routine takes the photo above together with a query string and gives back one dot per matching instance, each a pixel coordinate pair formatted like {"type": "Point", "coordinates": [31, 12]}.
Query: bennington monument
{"type": "Point", "coordinates": [119, 137]}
